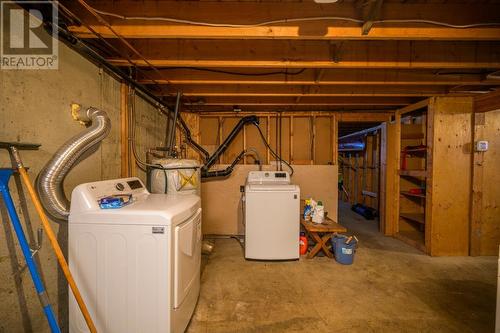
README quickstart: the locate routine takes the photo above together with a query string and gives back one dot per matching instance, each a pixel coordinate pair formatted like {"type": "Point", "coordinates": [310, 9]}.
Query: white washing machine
{"type": "Point", "coordinates": [137, 267]}
{"type": "Point", "coordinates": [272, 209]}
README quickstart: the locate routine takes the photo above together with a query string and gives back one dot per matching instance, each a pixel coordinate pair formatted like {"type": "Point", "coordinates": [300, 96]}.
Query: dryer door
{"type": "Point", "coordinates": [187, 256]}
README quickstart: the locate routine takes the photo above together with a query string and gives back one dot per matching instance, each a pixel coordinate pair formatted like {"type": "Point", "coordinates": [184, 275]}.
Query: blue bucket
{"type": "Point", "coordinates": [344, 253]}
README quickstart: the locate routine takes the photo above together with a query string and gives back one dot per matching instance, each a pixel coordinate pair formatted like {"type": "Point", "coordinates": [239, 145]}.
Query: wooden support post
{"type": "Point", "coordinates": [244, 143]}
{"type": "Point", "coordinates": [392, 157]}
{"type": "Point", "coordinates": [221, 158]}
{"type": "Point", "coordinates": [335, 143]}
{"type": "Point", "coordinates": [397, 156]}
{"type": "Point", "coordinates": [365, 176]}
{"type": "Point", "coordinates": [124, 131]}
{"type": "Point", "coordinates": [382, 178]}
{"type": "Point", "coordinates": [429, 167]}
{"type": "Point", "coordinates": [313, 146]}
{"type": "Point", "coordinates": [356, 179]}
{"type": "Point", "coordinates": [268, 138]}
{"type": "Point", "coordinates": [291, 139]}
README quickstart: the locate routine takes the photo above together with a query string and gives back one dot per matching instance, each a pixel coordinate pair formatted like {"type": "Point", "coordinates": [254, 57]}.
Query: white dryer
{"type": "Point", "coordinates": [137, 267]}
{"type": "Point", "coordinates": [272, 210]}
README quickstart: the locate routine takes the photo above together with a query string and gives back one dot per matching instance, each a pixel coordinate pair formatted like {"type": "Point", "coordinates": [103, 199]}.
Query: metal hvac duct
{"type": "Point", "coordinates": [50, 180]}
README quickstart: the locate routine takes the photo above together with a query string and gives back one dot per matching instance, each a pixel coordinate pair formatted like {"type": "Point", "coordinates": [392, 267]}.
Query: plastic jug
{"type": "Point", "coordinates": [303, 243]}
{"type": "Point", "coordinates": [319, 213]}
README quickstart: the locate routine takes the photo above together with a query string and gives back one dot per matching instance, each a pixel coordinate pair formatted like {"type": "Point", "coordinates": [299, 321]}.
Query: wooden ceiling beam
{"type": "Point", "coordinates": [302, 91]}
{"type": "Point", "coordinates": [306, 100]}
{"type": "Point", "coordinates": [320, 77]}
{"type": "Point", "coordinates": [314, 54]}
{"type": "Point", "coordinates": [340, 115]}
{"type": "Point", "coordinates": [290, 108]}
{"type": "Point", "coordinates": [487, 102]}
{"type": "Point", "coordinates": [257, 12]}
{"type": "Point", "coordinates": [347, 33]}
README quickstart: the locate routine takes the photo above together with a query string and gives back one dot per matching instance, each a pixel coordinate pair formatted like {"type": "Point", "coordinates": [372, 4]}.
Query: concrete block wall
{"type": "Point", "coordinates": [34, 107]}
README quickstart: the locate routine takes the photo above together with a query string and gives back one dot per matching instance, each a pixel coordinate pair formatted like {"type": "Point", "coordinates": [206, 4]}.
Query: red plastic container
{"type": "Point", "coordinates": [303, 244]}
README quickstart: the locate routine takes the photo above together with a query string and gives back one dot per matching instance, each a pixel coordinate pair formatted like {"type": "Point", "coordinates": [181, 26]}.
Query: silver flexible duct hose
{"type": "Point", "coordinates": [50, 180]}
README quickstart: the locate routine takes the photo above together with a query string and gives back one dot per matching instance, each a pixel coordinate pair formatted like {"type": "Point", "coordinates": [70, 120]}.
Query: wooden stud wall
{"type": "Point", "coordinates": [361, 173]}
{"type": "Point", "coordinates": [306, 139]}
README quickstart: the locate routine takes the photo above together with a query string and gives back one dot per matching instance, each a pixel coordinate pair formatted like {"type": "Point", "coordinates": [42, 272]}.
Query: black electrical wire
{"type": "Point", "coordinates": [272, 151]}
{"type": "Point", "coordinates": [203, 69]}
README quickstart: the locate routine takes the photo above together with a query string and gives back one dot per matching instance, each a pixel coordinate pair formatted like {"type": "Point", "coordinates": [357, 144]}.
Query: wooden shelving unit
{"type": "Point", "coordinates": [433, 136]}
{"type": "Point", "coordinates": [415, 217]}
{"type": "Point", "coordinates": [412, 172]}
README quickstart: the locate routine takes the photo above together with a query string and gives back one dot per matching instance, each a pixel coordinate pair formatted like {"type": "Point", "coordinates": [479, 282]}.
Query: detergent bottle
{"type": "Point", "coordinates": [307, 210]}
{"type": "Point", "coordinates": [318, 215]}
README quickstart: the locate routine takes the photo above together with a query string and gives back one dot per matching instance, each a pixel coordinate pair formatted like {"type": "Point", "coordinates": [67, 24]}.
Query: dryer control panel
{"type": "Point", "coordinates": [87, 196]}
{"type": "Point", "coordinates": [106, 188]}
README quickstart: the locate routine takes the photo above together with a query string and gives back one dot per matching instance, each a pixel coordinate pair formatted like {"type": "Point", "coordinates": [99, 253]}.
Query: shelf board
{"type": "Point", "coordinates": [415, 150]}
{"type": "Point", "coordinates": [413, 173]}
{"type": "Point", "coordinates": [412, 194]}
{"type": "Point", "coordinates": [415, 217]}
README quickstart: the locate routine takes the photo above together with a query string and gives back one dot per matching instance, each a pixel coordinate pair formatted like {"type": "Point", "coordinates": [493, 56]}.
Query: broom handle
{"type": "Point", "coordinates": [53, 241]}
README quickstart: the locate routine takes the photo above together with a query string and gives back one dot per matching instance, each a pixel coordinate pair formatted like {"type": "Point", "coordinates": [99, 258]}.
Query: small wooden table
{"type": "Point", "coordinates": [321, 233]}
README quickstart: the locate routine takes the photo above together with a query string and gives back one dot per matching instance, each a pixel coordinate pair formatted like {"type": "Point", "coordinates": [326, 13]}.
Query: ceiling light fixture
{"type": "Point", "coordinates": [325, 1]}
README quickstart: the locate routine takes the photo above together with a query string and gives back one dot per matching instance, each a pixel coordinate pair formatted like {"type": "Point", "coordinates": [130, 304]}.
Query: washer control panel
{"type": "Point", "coordinates": [268, 177]}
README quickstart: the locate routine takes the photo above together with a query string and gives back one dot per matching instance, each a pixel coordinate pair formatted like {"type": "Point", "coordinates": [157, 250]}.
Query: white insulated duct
{"type": "Point", "coordinates": [50, 180]}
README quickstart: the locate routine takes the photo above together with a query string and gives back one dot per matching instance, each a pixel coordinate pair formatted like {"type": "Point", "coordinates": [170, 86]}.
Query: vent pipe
{"type": "Point", "coordinates": [50, 180]}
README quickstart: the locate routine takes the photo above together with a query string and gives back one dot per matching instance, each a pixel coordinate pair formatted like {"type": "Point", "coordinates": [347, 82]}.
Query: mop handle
{"type": "Point", "coordinates": [35, 275]}
{"type": "Point", "coordinates": [53, 240]}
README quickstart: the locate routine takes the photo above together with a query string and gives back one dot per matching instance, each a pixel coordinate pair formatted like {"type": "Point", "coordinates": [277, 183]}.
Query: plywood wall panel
{"type": "Point", "coordinates": [485, 237]}
{"type": "Point", "coordinates": [221, 198]}
{"type": "Point", "coordinates": [451, 176]}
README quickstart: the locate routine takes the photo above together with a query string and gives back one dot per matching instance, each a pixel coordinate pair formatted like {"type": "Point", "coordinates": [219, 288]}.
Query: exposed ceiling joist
{"type": "Point", "coordinates": [329, 77]}
{"type": "Point", "coordinates": [376, 33]}
{"type": "Point", "coordinates": [488, 102]}
{"type": "Point", "coordinates": [291, 108]}
{"type": "Point", "coordinates": [339, 115]}
{"type": "Point", "coordinates": [301, 91]}
{"type": "Point", "coordinates": [331, 27]}
{"type": "Point", "coordinates": [316, 54]}
{"type": "Point", "coordinates": [324, 57]}
{"type": "Point", "coordinates": [306, 100]}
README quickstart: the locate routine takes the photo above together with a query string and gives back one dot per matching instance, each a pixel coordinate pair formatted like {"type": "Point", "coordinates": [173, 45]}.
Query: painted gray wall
{"type": "Point", "coordinates": [34, 107]}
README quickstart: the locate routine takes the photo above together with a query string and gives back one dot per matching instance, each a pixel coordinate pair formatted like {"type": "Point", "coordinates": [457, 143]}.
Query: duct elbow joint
{"type": "Point", "coordinates": [50, 180]}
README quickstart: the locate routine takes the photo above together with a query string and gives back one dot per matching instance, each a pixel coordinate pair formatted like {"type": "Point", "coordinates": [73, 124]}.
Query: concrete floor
{"type": "Point", "coordinates": [390, 288]}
